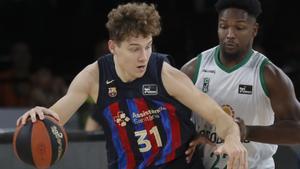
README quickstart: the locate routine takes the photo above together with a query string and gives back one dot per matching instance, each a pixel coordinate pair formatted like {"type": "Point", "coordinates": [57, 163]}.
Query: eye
{"type": "Point", "coordinates": [134, 49]}
{"type": "Point", "coordinates": [241, 27]}
{"type": "Point", "coordinates": [148, 47]}
{"type": "Point", "coordinates": [222, 26]}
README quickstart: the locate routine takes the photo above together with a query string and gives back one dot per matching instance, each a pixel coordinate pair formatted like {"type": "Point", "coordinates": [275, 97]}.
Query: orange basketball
{"type": "Point", "coordinates": [40, 144]}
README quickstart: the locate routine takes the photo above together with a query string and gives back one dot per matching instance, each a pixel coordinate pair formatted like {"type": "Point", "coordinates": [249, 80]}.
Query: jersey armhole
{"type": "Point", "coordinates": [262, 77]}
{"type": "Point", "coordinates": [197, 68]}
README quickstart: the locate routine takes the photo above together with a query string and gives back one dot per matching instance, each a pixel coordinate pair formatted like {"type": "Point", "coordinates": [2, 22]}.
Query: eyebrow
{"type": "Point", "coordinates": [239, 20]}
{"type": "Point", "coordinates": [136, 44]}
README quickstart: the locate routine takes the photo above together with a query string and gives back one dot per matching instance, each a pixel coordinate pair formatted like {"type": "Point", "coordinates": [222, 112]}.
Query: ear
{"type": "Point", "coordinates": [255, 29]}
{"type": "Point", "coordinates": [111, 46]}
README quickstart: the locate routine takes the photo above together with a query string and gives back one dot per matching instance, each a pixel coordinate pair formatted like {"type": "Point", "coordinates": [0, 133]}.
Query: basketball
{"type": "Point", "coordinates": [40, 144]}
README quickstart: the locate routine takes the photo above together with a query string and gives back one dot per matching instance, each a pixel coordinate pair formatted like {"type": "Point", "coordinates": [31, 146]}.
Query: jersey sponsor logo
{"type": "Point", "coordinates": [148, 115]}
{"type": "Point", "coordinates": [150, 89]}
{"type": "Point", "coordinates": [205, 84]}
{"type": "Point", "coordinates": [209, 71]}
{"type": "Point", "coordinates": [121, 119]}
{"type": "Point", "coordinates": [245, 89]}
{"type": "Point", "coordinates": [112, 91]}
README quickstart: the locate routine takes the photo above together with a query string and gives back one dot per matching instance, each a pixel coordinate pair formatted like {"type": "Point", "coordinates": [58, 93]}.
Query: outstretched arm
{"type": "Point", "coordinates": [81, 87]}
{"type": "Point", "coordinates": [286, 107]}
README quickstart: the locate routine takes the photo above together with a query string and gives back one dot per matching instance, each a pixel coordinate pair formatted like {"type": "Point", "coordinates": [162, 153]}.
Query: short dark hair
{"type": "Point", "coordinates": [133, 19]}
{"type": "Point", "coordinates": [252, 7]}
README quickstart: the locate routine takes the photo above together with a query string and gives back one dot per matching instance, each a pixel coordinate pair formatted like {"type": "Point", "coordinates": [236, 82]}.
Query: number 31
{"type": "Point", "coordinates": [144, 143]}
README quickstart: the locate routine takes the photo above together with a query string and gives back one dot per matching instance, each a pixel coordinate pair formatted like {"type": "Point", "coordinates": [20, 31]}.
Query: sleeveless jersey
{"type": "Point", "coordinates": [143, 125]}
{"type": "Point", "coordinates": [241, 92]}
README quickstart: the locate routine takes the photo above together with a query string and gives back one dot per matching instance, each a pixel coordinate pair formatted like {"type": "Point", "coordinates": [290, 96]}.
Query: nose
{"type": "Point", "coordinates": [143, 56]}
{"type": "Point", "coordinates": [230, 33]}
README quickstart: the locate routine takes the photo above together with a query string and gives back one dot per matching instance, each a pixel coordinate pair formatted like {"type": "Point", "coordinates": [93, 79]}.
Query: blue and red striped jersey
{"type": "Point", "coordinates": [144, 126]}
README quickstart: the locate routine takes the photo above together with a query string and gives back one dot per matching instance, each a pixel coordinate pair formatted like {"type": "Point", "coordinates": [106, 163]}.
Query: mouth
{"type": "Point", "coordinates": [141, 68]}
{"type": "Point", "coordinates": [230, 45]}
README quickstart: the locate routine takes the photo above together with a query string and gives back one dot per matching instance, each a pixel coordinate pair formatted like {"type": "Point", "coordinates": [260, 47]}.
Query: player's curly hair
{"type": "Point", "coordinates": [252, 7]}
{"type": "Point", "coordinates": [133, 19]}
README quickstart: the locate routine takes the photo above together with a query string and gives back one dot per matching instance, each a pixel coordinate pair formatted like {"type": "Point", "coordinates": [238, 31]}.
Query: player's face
{"type": "Point", "coordinates": [131, 56]}
{"type": "Point", "coordinates": [236, 31]}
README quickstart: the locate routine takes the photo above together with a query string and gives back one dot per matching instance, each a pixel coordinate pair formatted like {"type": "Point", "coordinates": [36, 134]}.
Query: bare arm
{"type": "Point", "coordinates": [91, 124]}
{"type": "Point", "coordinates": [181, 87]}
{"type": "Point", "coordinates": [286, 107]}
{"type": "Point", "coordinates": [189, 68]}
{"type": "Point", "coordinates": [83, 85]}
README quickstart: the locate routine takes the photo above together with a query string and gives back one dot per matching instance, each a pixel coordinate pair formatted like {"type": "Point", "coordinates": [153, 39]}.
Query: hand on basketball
{"type": "Point", "coordinates": [33, 113]}
{"type": "Point", "coordinates": [200, 139]}
{"type": "Point", "coordinates": [237, 153]}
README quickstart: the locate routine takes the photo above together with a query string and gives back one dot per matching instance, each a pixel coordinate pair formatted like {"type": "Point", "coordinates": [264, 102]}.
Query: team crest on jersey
{"type": "Point", "coordinates": [245, 89]}
{"type": "Point", "coordinates": [121, 119]}
{"type": "Point", "coordinates": [112, 91]}
{"type": "Point", "coordinates": [205, 84]}
{"type": "Point", "coordinates": [150, 89]}
{"type": "Point", "coordinates": [229, 110]}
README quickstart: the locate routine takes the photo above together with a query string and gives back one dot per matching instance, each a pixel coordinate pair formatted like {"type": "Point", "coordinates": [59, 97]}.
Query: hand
{"type": "Point", "coordinates": [237, 153]}
{"type": "Point", "coordinates": [33, 113]}
{"type": "Point", "coordinates": [200, 139]}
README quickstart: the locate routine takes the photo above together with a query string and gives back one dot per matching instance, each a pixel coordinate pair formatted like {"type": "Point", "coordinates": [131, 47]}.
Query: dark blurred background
{"type": "Point", "coordinates": [45, 43]}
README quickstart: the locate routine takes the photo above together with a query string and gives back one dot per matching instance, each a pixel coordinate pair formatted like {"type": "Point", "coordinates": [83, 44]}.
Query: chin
{"type": "Point", "coordinates": [141, 74]}
{"type": "Point", "coordinates": [230, 50]}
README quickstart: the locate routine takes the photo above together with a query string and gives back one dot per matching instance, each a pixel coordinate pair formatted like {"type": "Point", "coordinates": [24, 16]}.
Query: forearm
{"type": "Point", "coordinates": [225, 126]}
{"type": "Point", "coordinates": [283, 132]}
{"type": "Point", "coordinates": [67, 106]}
{"type": "Point", "coordinates": [213, 113]}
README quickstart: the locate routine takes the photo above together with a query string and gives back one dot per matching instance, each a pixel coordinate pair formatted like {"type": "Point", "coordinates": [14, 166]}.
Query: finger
{"type": "Point", "coordinates": [189, 150]}
{"type": "Point", "coordinates": [230, 162]}
{"type": "Point", "coordinates": [236, 161]}
{"type": "Point", "coordinates": [18, 121]}
{"type": "Point", "coordinates": [193, 143]}
{"type": "Point", "coordinates": [24, 118]}
{"type": "Point", "coordinates": [190, 156]}
{"type": "Point", "coordinates": [245, 159]}
{"type": "Point", "coordinates": [33, 116]}
{"type": "Point", "coordinates": [40, 114]}
{"type": "Point", "coordinates": [189, 153]}
{"type": "Point", "coordinates": [233, 161]}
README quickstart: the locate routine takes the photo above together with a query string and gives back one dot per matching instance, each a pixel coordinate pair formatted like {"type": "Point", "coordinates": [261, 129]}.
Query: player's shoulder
{"type": "Point", "coordinates": [92, 68]}
{"type": "Point", "coordinates": [208, 53]}
{"type": "Point", "coordinates": [91, 71]}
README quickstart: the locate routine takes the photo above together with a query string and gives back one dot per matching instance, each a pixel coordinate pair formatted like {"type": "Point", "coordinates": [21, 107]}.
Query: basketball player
{"type": "Point", "coordinates": [247, 85]}
{"type": "Point", "coordinates": [142, 101]}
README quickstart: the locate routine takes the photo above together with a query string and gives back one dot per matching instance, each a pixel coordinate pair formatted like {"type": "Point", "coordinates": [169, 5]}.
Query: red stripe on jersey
{"type": "Point", "coordinates": [148, 124]}
{"type": "Point", "coordinates": [114, 109]}
{"type": "Point", "coordinates": [176, 135]}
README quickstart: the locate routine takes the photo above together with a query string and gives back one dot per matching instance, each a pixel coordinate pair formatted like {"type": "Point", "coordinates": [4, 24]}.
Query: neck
{"type": "Point", "coordinates": [230, 60]}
